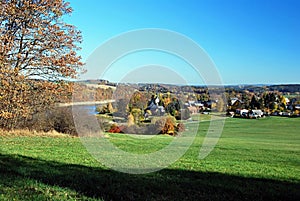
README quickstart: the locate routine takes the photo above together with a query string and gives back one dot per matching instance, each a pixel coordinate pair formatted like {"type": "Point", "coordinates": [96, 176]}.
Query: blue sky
{"type": "Point", "coordinates": [250, 41]}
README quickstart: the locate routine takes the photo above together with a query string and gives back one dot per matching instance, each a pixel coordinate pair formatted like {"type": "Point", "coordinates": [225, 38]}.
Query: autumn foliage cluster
{"type": "Point", "coordinates": [37, 56]}
{"type": "Point", "coordinates": [160, 125]}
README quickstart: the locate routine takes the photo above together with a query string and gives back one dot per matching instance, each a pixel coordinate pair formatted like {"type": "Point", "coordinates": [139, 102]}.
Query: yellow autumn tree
{"type": "Point", "coordinates": [37, 53]}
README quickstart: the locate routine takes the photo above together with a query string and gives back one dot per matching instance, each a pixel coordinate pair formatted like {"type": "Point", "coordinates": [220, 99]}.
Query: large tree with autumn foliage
{"type": "Point", "coordinates": [38, 52]}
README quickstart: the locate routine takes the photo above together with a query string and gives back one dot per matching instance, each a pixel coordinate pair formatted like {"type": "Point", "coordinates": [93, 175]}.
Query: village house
{"type": "Point", "coordinates": [235, 104]}
{"type": "Point", "coordinates": [154, 107]}
{"type": "Point", "coordinates": [192, 109]}
{"type": "Point", "coordinates": [195, 106]}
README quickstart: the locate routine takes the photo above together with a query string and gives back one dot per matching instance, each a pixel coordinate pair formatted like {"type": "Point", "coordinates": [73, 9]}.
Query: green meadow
{"type": "Point", "coordinates": [253, 160]}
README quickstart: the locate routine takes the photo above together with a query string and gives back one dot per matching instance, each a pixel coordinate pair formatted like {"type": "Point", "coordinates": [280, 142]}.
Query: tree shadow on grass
{"type": "Point", "coordinates": [163, 185]}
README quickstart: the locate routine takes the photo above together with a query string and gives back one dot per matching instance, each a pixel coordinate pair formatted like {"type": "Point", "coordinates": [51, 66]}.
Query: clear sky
{"type": "Point", "coordinates": [250, 41]}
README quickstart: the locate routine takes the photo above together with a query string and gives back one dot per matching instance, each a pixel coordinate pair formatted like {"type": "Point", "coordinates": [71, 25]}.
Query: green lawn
{"type": "Point", "coordinates": [253, 160]}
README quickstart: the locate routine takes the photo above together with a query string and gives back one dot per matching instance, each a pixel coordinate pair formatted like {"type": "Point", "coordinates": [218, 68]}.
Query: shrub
{"type": "Point", "coordinates": [58, 119]}
{"type": "Point", "coordinates": [152, 129]}
{"type": "Point", "coordinates": [62, 120]}
{"type": "Point", "coordinates": [103, 109]}
{"type": "Point", "coordinates": [184, 114]}
{"type": "Point", "coordinates": [135, 129]}
{"type": "Point", "coordinates": [116, 129]}
{"type": "Point", "coordinates": [130, 121]}
{"type": "Point", "coordinates": [169, 127]}
{"type": "Point", "coordinates": [104, 124]}
{"type": "Point", "coordinates": [180, 127]}
{"type": "Point", "coordinates": [164, 125]}
{"type": "Point", "coordinates": [137, 114]}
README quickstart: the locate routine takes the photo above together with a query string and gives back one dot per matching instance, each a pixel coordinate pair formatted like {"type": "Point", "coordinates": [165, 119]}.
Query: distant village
{"type": "Point", "coordinates": [146, 100]}
{"type": "Point", "coordinates": [144, 108]}
{"type": "Point", "coordinates": [274, 104]}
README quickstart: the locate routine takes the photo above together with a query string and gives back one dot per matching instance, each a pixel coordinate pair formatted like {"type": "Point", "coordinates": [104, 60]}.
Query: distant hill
{"type": "Point", "coordinates": [97, 82]}
{"type": "Point", "coordinates": [292, 88]}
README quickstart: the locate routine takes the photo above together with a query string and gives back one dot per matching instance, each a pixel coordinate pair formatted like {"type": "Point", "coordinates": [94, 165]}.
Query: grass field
{"type": "Point", "coordinates": [253, 160]}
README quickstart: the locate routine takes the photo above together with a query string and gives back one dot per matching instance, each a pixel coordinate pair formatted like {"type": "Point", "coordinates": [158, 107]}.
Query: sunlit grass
{"type": "Point", "coordinates": [254, 159]}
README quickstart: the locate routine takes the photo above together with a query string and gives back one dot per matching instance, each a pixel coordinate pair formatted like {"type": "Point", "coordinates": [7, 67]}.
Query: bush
{"type": "Point", "coordinates": [130, 121]}
{"type": "Point", "coordinates": [164, 125]}
{"type": "Point", "coordinates": [104, 124]}
{"type": "Point", "coordinates": [104, 109]}
{"type": "Point", "coordinates": [135, 129]}
{"type": "Point", "coordinates": [137, 114]}
{"type": "Point", "coordinates": [152, 129]}
{"type": "Point", "coordinates": [58, 119]}
{"type": "Point", "coordinates": [169, 127]}
{"type": "Point", "coordinates": [116, 129]}
{"type": "Point", "coordinates": [180, 127]}
{"type": "Point", "coordinates": [184, 114]}
{"type": "Point", "coordinates": [63, 122]}
{"type": "Point", "coordinates": [159, 125]}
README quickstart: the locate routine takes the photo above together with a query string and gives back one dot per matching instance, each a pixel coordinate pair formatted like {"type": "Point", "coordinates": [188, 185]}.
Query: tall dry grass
{"type": "Point", "coordinates": [29, 133]}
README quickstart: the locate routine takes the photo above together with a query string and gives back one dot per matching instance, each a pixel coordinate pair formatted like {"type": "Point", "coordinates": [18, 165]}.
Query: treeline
{"type": "Point", "coordinates": [21, 99]}
{"type": "Point", "coordinates": [84, 93]}
{"type": "Point", "coordinates": [284, 88]}
{"type": "Point", "coordinates": [290, 88]}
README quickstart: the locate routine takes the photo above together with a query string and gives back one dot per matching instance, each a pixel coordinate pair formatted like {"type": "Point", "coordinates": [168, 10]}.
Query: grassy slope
{"type": "Point", "coordinates": [254, 160]}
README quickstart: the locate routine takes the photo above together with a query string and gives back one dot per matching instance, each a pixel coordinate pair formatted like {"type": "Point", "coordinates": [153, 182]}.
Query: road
{"type": "Point", "coordinates": [85, 103]}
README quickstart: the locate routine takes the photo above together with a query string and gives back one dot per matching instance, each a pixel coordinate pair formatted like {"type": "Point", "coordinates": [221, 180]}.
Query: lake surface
{"type": "Point", "coordinates": [88, 109]}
